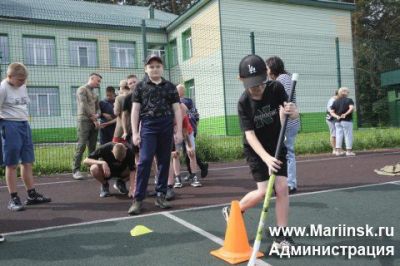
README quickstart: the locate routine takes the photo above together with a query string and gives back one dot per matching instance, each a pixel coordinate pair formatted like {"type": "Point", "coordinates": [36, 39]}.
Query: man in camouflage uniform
{"type": "Point", "coordinates": [88, 113]}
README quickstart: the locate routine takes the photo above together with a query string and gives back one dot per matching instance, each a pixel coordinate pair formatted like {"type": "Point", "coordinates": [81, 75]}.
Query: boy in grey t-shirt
{"type": "Point", "coordinates": [17, 145]}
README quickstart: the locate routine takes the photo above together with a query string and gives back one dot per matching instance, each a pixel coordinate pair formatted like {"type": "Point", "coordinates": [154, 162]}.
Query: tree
{"type": "Point", "coordinates": [376, 35]}
{"type": "Point", "coordinates": [171, 6]}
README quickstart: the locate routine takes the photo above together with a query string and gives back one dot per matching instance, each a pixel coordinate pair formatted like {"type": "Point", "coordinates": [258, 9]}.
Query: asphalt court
{"type": "Point", "coordinates": [185, 237]}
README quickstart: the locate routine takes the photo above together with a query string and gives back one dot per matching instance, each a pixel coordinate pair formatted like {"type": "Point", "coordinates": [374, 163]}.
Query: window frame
{"type": "Point", "coordinates": [173, 58]}
{"type": "Point", "coordinates": [7, 48]}
{"type": "Point", "coordinates": [187, 49]}
{"type": "Point", "coordinates": [37, 112]}
{"type": "Point", "coordinates": [190, 89]}
{"type": "Point", "coordinates": [88, 54]}
{"type": "Point", "coordinates": [134, 63]}
{"type": "Point", "coordinates": [38, 37]}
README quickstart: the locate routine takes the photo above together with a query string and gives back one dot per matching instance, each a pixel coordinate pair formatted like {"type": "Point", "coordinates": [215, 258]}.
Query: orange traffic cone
{"type": "Point", "coordinates": [236, 247]}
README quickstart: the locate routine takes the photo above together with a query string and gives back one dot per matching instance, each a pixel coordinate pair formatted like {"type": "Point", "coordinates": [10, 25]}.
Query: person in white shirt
{"type": "Point", "coordinates": [16, 136]}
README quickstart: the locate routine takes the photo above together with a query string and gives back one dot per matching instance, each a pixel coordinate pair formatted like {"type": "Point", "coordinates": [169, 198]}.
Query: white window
{"type": "Point", "coordinates": [189, 46]}
{"type": "Point", "coordinates": [39, 51]}
{"type": "Point", "coordinates": [122, 54]}
{"type": "Point", "coordinates": [4, 50]}
{"type": "Point", "coordinates": [83, 53]}
{"type": "Point", "coordinates": [44, 101]}
{"type": "Point", "coordinates": [158, 49]}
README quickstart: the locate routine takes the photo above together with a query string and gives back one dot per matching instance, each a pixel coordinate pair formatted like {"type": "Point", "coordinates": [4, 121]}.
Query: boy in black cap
{"type": "Point", "coordinates": [262, 108]}
{"type": "Point", "coordinates": [155, 101]}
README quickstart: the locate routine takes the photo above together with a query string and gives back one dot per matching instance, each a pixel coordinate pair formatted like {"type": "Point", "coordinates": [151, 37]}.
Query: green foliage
{"type": "Point", "coordinates": [377, 39]}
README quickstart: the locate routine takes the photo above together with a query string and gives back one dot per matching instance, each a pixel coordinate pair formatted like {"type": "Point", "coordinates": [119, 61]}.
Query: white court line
{"type": "Point", "coordinates": [211, 169]}
{"type": "Point", "coordinates": [204, 233]}
{"type": "Point", "coordinates": [181, 210]}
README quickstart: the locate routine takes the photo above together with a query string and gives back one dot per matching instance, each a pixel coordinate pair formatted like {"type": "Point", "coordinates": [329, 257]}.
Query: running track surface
{"type": "Point", "coordinates": [78, 201]}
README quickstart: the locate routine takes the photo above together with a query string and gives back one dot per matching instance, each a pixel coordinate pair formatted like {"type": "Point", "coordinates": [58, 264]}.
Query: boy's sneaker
{"type": "Point", "coordinates": [350, 153]}
{"type": "Point", "coordinates": [225, 212]}
{"type": "Point", "coordinates": [204, 170]}
{"type": "Point", "coordinates": [195, 182]}
{"type": "Point", "coordinates": [161, 201]}
{"type": "Point", "coordinates": [36, 198]}
{"type": "Point", "coordinates": [170, 194]}
{"type": "Point", "coordinates": [15, 204]}
{"type": "Point", "coordinates": [339, 153]}
{"type": "Point", "coordinates": [78, 175]}
{"type": "Point", "coordinates": [2, 239]}
{"type": "Point", "coordinates": [120, 185]}
{"type": "Point", "coordinates": [178, 182]}
{"type": "Point", "coordinates": [104, 191]}
{"type": "Point", "coordinates": [283, 241]}
{"type": "Point", "coordinates": [135, 208]}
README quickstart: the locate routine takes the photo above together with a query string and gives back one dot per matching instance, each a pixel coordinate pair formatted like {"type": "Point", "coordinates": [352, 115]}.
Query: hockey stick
{"type": "Point", "coordinates": [271, 182]}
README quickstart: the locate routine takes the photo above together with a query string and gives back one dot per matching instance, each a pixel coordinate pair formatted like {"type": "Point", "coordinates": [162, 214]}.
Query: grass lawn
{"type": "Point", "coordinates": [57, 158]}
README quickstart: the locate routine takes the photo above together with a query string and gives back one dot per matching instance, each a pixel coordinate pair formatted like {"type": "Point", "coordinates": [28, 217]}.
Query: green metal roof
{"type": "Point", "coordinates": [390, 78]}
{"type": "Point", "coordinates": [81, 12]}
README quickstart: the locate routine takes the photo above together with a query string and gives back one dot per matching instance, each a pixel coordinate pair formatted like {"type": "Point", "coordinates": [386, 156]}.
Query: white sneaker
{"type": "Point", "coordinates": [350, 153]}
{"type": "Point", "coordinates": [78, 175]}
{"type": "Point", "coordinates": [339, 153]}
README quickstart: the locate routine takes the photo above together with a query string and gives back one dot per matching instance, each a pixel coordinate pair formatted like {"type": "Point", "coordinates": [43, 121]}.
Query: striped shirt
{"type": "Point", "coordinates": [286, 81]}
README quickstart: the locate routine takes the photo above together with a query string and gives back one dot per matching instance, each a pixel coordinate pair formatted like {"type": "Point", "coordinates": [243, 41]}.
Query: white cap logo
{"type": "Point", "coordinates": [252, 69]}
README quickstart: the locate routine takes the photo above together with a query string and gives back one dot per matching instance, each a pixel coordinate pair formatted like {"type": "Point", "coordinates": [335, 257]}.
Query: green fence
{"type": "Point", "coordinates": [205, 58]}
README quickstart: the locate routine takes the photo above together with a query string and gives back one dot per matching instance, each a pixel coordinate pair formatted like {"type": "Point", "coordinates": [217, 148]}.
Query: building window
{"type": "Point", "coordinates": [158, 49]}
{"type": "Point", "coordinates": [173, 53]}
{"type": "Point", "coordinates": [187, 44]}
{"type": "Point", "coordinates": [190, 90]}
{"type": "Point", "coordinates": [122, 54]}
{"type": "Point", "coordinates": [39, 51]}
{"type": "Point", "coordinates": [44, 102]}
{"type": "Point", "coordinates": [83, 53]}
{"type": "Point", "coordinates": [4, 50]}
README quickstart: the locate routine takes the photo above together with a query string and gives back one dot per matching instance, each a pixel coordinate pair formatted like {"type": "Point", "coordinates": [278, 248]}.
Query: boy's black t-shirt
{"type": "Point", "coordinates": [155, 99]}
{"type": "Point", "coordinates": [104, 152]}
{"type": "Point", "coordinates": [341, 106]}
{"type": "Point", "coordinates": [127, 105]}
{"type": "Point", "coordinates": [262, 116]}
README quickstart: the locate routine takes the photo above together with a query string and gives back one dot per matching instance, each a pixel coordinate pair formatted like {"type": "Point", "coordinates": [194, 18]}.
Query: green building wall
{"type": "Point", "coordinates": [62, 75]}
{"type": "Point", "coordinates": [303, 36]}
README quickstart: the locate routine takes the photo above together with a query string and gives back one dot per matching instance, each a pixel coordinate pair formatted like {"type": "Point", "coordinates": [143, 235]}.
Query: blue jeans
{"type": "Point", "coordinates": [290, 134]}
{"type": "Point", "coordinates": [156, 136]}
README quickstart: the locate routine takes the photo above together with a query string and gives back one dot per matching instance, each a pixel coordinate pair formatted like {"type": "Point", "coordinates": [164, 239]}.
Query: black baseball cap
{"type": "Point", "coordinates": [252, 71]}
{"type": "Point", "coordinates": [153, 57]}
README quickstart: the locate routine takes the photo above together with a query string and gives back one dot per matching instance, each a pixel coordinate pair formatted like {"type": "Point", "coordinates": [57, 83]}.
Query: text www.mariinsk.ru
{"type": "Point", "coordinates": [341, 230]}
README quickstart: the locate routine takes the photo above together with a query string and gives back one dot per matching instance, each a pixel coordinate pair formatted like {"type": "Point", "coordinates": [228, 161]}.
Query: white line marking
{"type": "Point", "coordinates": [181, 210]}
{"type": "Point", "coordinates": [192, 227]}
{"type": "Point", "coordinates": [204, 233]}
{"type": "Point", "coordinates": [78, 224]}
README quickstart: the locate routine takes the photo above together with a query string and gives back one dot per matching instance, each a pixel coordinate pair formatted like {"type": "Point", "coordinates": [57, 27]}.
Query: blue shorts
{"type": "Point", "coordinates": [17, 145]}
